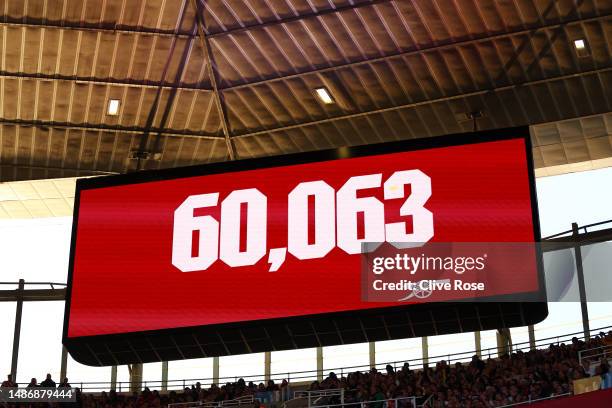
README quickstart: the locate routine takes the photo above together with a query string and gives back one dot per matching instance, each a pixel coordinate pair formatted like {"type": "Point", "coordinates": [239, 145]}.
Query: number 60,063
{"type": "Point", "coordinates": [335, 221]}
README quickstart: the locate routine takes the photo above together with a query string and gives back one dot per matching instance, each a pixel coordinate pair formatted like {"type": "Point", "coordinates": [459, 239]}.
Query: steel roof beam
{"type": "Point", "coordinates": [337, 9]}
{"type": "Point", "coordinates": [52, 168]}
{"type": "Point", "coordinates": [449, 45]}
{"type": "Point", "coordinates": [425, 102]}
{"type": "Point", "coordinates": [99, 81]}
{"type": "Point", "coordinates": [212, 74]}
{"type": "Point", "coordinates": [103, 128]}
{"type": "Point", "coordinates": [128, 29]}
{"type": "Point", "coordinates": [36, 295]}
{"type": "Point", "coordinates": [85, 26]}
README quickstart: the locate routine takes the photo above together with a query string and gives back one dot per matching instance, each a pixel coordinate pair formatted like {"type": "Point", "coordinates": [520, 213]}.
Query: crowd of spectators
{"type": "Point", "coordinates": [514, 378]}
{"type": "Point", "coordinates": [519, 377]}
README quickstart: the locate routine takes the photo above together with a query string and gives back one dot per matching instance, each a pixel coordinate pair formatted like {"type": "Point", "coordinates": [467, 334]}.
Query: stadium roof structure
{"type": "Point", "coordinates": [110, 86]}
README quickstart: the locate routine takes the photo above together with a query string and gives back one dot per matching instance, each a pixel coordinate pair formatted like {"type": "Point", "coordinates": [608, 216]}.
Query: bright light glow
{"type": "Point", "coordinates": [579, 44]}
{"type": "Point", "coordinates": [324, 96]}
{"type": "Point", "coordinates": [113, 107]}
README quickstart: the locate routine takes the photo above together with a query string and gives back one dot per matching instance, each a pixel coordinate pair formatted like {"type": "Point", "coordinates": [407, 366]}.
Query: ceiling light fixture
{"type": "Point", "coordinates": [113, 107]}
{"type": "Point", "coordinates": [324, 96]}
{"type": "Point", "coordinates": [582, 50]}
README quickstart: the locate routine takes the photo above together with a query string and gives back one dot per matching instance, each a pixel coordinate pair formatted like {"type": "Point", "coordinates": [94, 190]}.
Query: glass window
{"type": "Point", "coordinates": [7, 311]}
{"type": "Point", "coordinates": [247, 366]}
{"type": "Point", "coordinates": [289, 363]}
{"type": "Point", "coordinates": [442, 347]}
{"type": "Point", "coordinates": [78, 373]}
{"type": "Point", "coordinates": [563, 318]}
{"type": "Point", "coordinates": [40, 344]}
{"type": "Point", "coordinates": [600, 316]}
{"type": "Point", "coordinates": [184, 373]}
{"type": "Point", "coordinates": [35, 250]}
{"type": "Point", "coordinates": [488, 343]}
{"type": "Point", "coordinates": [520, 338]}
{"type": "Point", "coordinates": [397, 352]}
{"type": "Point", "coordinates": [341, 359]}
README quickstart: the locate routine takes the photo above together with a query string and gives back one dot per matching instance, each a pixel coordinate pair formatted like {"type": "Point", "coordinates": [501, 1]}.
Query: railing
{"type": "Point", "coordinates": [531, 401]}
{"type": "Point", "coordinates": [311, 375]}
{"type": "Point", "coordinates": [427, 402]}
{"type": "Point", "coordinates": [53, 285]}
{"type": "Point", "coordinates": [595, 353]}
{"type": "Point", "coordinates": [399, 402]}
{"type": "Point", "coordinates": [244, 400]}
{"type": "Point", "coordinates": [584, 227]}
{"type": "Point", "coordinates": [315, 396]}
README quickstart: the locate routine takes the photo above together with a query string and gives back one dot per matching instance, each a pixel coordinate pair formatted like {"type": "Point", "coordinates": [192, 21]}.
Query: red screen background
{"type": "Point", "coordinates": [123, 279]}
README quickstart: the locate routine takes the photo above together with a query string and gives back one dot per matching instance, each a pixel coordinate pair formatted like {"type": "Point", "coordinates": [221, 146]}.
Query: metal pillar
{"type": "Point", "coordinates": [320, 363]}
{"type": "Point", "coordinates": [581, 287]}
{"type": "Point", "coordinates": [135, 377]}
{"type": "Point", "coordinates": [478, 344]}
{"type": "Point", "coordinates": [267, 365]}
{"type": "Point", "coordinates": [531, 331]}
{"type": "Point", "coordinates": [64, 364]}
{"type": "Point", "coordinates": [17, 333]}
{"type": "Point", "coordinates": [504, 341]}
{"type": "Point", "coordinates": [216, 370]}
{"type": "Point", "coordinates": [113, 385]}
{"type": "Point", "coordinates": [425, 350]}
{"type": "Point", "coordinates": [372, 348]}
{"type": "Point", "coordinates": [164, 383]}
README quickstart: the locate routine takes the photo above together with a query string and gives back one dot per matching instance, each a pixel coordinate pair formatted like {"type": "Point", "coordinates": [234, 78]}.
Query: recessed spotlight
{"type": "Point", "coordinates": [113, 107]}
{"type": "Point", "coordinates": [324, 96]}
{"type": "Point", "coordinates": [581, 46]}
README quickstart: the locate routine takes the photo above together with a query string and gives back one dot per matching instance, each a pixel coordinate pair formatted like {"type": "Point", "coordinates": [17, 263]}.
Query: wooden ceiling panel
{"type": "Point", "coordinates": [202, 114]}
{"type": "Point", "coordinates": [395, 69]}
{"type": "Point", "coordinates": [27, 99]}
{"type": "Point", "coordinates": [147, 48]}
{"type": "Point", "coordinates": [10, 95]}
{"type": "Point", "coordinates": [12, 53]}
{"type": "Point", "coordinates": [96, 104]}
{"type": "Point", "coordinates": [162, 113]}
{"type": "Point", "coordinates": [40, 147]}
{"type": "Point", "coordinates": [73, 10]}
{"type": "Point", "coordinates": [50, 42]}
{"type": "Point", "coordinates": [89, 150]}
{"type": "Point", "coordinates": [68, 49]}
{"type": "Point", "coordinates": [119, 159]}
{"type": "Point", "coordinates": [73, 146]}
{"type": "Point", "coordinates": [106, 57]}
{"type": "Point", "coordinates": [23, 145]}
{"type": "Point", "coordinates": [57, 148]}
{"type": "Point", "coordinates": [186, 152]}
{"type": "Point", "coordinates": [105, 152]}
{"type": "Point", "coordinates": [88, 47]}
{"type": "Point", "coordinates": [163, 14]}
{"type": "Point", "coordinates": [194, 72]}
{"type": "Point", "coordinates": [598, 35]}
{"type": "Point", "coordinates": [210, 150]}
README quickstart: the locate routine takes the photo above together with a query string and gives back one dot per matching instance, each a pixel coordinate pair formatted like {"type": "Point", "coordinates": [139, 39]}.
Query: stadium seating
{"type": "Point", "coordinates": [516, 378]}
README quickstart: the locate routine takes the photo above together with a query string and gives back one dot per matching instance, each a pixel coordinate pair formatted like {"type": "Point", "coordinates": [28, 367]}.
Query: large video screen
{"type": "Point", "coordinates": [277, 238]}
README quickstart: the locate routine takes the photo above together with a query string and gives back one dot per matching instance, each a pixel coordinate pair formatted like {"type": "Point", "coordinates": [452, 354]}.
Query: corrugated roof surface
{"type": "Point", "coordinates": [396, 70]}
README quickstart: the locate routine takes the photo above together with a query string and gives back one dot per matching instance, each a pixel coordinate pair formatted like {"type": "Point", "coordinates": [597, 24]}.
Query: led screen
{"type": "Point", "coordinates": [268, 239]}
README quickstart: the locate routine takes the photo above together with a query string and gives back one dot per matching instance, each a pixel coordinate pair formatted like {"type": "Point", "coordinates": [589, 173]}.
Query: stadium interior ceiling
{"type": "Point", "coordinates": [198, 81]}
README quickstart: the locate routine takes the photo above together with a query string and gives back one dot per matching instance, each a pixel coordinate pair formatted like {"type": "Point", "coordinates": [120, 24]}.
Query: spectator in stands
{"type": "Point", "coordinates": [64, 384]}
{"type": "Point", "coordinates": [33, 383]}
{"type": "Point", "coordinates": [519, 377]}
{"type": "Point", "coordinates": [48, 382]}
{"type": "Point", "coordinates": [9, 383]}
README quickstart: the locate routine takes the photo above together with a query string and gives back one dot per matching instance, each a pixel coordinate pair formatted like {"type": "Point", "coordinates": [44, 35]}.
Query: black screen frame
{"type": "Point", "coordinates": [532, 307]}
